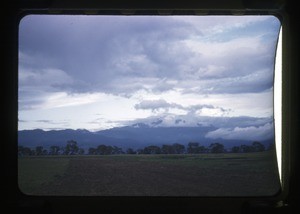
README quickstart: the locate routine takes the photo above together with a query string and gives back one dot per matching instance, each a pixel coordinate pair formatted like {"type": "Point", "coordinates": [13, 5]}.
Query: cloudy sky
{"type": "Point", "coordinates": [99, 72]}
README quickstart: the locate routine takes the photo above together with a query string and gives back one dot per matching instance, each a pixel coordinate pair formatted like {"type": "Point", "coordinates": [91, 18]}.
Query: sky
{"type": "Point", "coordinates": [100, 72]}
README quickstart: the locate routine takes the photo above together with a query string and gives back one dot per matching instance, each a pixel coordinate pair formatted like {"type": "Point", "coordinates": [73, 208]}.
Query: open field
{"type": "Point", "coordinates": [248, 174]}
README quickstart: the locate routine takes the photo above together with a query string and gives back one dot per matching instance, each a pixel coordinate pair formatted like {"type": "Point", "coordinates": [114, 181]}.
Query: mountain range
{"type": "Point", "coordinates": [134, 136]}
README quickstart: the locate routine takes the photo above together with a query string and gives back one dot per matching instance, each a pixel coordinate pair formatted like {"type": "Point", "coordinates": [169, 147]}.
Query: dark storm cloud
{"type": "Point", "coordinates": [69, 61]}
{"type": "Point", "coordinates": [119, 55]}
{"type": "Point", "coordinates": [98, 51]}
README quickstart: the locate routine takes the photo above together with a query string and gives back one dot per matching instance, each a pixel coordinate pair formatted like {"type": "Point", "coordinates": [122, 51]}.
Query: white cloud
{"type": "Point", "coordinates": [178, 109]}
{"type": "Point", "coordinates": [156, 104]}
{"type": "Point", "coordinates": [62, 99]}
{"type": "Point", "coordinates": [234, 58]}
{"type": "Point", "coordinates": [252, 133]}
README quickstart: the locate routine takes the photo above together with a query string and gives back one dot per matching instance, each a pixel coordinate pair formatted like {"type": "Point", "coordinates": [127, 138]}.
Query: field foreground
{"type": "Point", "coordinates": [247, 174]}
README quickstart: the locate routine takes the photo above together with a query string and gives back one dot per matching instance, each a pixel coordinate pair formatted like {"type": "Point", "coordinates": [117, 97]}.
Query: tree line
{"type": "Point", "coordinates": [72, 148]}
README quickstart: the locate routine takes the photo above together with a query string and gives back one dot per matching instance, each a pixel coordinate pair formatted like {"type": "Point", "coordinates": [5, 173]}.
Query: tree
{"type": "Point", "coordinates": [140, 151]}
{"type": "Point", "coordinates": [104, 150]}
{"type": "Point", "coordinates": [39, 150]}
{"type": "Point", "coordinates": [178, 148]}
{"type": "Point", "coordinates": [258, 147]}
{"type": "Point", "coordinates": [71, 148]}
{"type": "Point", "coordinates": [109, 150]}
{"type": "Point", "coordinates": [61, 150]}
{"type": "Point", "coordinates": [45, 152]}
{"type": "Point", "coordinates": [81, 151]}
{"type": "Point", "coordinates": [130, 151]}
{"type": "Point", "coordinates": [246, 148]}
{"type": "Point", "coordinates": [151, 150]}
{"type": "Point", "coordinates": [101, 149]}
{"type": "Point", "coordinates": [117, 150]}
{"type": "Point", "coordinates": [216, 148]}
{"type": "Point", "coordinates": [92, 151]}
{"type": "Point", "coordinates": [194, 148]}
{"type": "Point", "coordinates": [167, 149]}
{"type": "Point", "coordinates": [54, 150]}
{"type": "Point", "coordinates": [271, 146]}
{"type": "Point", "coordinates": [21, 151]}
{"type": "Point", "coordinates": [25, 151]}
{"type": "Point", "coordinates": [236, 149]}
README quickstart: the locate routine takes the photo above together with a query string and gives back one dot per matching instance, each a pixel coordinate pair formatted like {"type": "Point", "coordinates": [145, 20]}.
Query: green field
{"type": "Point", "coordinates": [247, 174]}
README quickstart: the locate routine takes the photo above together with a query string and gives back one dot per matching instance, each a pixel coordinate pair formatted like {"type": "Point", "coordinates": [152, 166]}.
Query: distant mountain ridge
{"type": "Point", "coordinates": [135, 136]}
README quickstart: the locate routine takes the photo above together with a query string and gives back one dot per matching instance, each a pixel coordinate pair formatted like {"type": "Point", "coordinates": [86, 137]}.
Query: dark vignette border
{"type": "Point", "coordinates": [14, 200]}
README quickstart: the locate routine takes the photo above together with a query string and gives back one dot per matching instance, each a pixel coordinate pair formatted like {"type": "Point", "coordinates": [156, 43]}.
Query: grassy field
{"type": "Point", "coordinates": [248, 174]}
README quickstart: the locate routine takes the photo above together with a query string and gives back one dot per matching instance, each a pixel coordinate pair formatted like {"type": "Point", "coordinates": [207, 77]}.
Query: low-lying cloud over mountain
{"type": "Point", "coordinates": [158, 130]}
{"type": "Point", "coordinates": [250, 133]}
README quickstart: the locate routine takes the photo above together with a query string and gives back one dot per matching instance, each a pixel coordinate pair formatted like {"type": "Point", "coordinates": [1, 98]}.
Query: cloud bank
{"type": "Point", "coordinates": [138, 67]}
{"type": "Point", "coordinates": [263, 132]}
